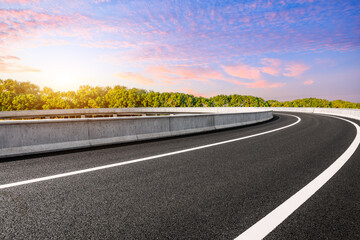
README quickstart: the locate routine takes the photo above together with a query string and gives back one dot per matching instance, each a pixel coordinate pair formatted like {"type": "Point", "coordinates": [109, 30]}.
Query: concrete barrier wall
{"type": "Point", "coordinates": [110, 111]}
{"type": "Point", "coordinates": [120, 111]}
{"type": "Point", "coordinates": [19, 137]}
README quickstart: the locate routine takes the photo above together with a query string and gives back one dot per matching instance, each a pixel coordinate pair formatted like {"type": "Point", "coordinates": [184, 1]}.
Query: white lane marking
{"type": "Point", "coordinates": [268, 223]}
{"type": "Point", "coordinates": [141, 159]}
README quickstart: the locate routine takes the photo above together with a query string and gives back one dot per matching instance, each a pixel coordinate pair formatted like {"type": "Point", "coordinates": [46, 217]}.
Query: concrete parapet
{"type": "Point", "coordinates": [21, 137]}
{"type": "Point", "coordinates": [121, 111]}
{"type": "Point", "coordinates": [143, 111]}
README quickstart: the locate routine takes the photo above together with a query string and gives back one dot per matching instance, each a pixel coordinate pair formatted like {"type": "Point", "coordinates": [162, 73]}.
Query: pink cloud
{"type": "Point", "coordinates": [259, 84]}
{"type": "Point", "coordinates": [188, 73]}
{"type": "Point", "coordinates": [20, 17]}
{"type": "Point", "coordinates": [308, 82]}
{"type": "Point", "coordinates": [155, 52]}
{"type": "Point", "coordinates": [183, 73]}
{"type": "Point", "coordinates": [24, 24]}
{"type": "Point", "coordinates": [111, 44]}
{"type": "Point", "coordinates": [10, 64]}
{"type": "Point", "coordinates": [305, 1]}
{"type": "Point", "coordinates": [264, 84]}
{"type": "Point", "coordinates": [159, 72]}
{"type": "Point", "coordinates": [295, 69]}
{"type": "Point", "coordinates": [171, 75]}
{"type": "Point", "coordinates": [243, 71]}
{"type": "Point", "coordinates": [19, 1]}
{"type": "Point", "coordinates": [101, 1]}
{"type": "Point", "coordinates": [271, 66]}
{"type": "Point", "coordinates": [9, 58]}
{"type": "Point", "coordinates": [18, 24]}
{"type": "Point", "coordinates": [270, 70]}
{"type": "Point", "coordinates": [138, 78]}
{"type": "Point", "coordinates": [191, 91]}
{"type": "Point", "coordinates": [254, 73]}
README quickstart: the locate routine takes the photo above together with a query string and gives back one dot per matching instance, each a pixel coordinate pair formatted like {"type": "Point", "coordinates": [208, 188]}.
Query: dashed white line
{"type": "Point", "coordinates": [268, 223]}
{"type": "Point", "coordinates": [9, 185]}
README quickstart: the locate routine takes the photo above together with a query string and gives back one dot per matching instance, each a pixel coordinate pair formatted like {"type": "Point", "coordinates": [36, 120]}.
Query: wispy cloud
{"type": "Point", "coordinates": [193, 32]}
{"type": "Point", "coordinates": [240, 29]}
{"type": "Point", "coordinates": [19, 1]}
{"type": "Point", "coordinates": [271, 66]}
{"type": "Point", "coordinates": [111, 44]}
{"type": "Point", "coordinates": [101, 1]}
{"type": "Point", "coordinates": [193, 92]}
{"type": "Point", "coordinates": [10, 64]}
{"type": "Point", "coordinates": [27, 25]}
{"type": "Point", "coordinates": [18, 24]}
{"type": "Point", "coordinates": [182, 73]}
{"type": "Point", "coordinates": [243, 71]}
{"type": "Point", "coordinates": [178, 74]}
{"type": "Point", "coordinates": [135, 77]}
{"type": "Point", "coordinates": [264, 84]}
{"type": "Point", "coordinates": [295, 69]}
{"type": "Point", "coordinates": [308, 82]}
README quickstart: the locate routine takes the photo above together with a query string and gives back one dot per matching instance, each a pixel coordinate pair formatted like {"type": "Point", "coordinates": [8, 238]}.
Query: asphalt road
{"type": "Point", "coordinates": [211, 193]}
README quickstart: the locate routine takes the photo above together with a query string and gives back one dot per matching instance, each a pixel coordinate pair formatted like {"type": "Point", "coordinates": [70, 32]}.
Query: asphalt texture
{"type": "Point", "coordinates": [211, 193]}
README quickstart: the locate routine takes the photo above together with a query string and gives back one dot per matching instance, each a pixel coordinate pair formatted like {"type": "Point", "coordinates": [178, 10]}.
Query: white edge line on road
{"type": "Point", "coordinates": [268, 223]}
{"type": "Point", "coordinates": [9, 185]}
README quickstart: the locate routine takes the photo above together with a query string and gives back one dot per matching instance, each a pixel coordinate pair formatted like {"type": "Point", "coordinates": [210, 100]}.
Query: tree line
{"type": "Point", "coordinates": [16, 95]}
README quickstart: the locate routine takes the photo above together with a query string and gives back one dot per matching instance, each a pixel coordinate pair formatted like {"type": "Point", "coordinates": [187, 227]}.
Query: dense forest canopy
{"type": "Point", "coordinates": [15, 95]}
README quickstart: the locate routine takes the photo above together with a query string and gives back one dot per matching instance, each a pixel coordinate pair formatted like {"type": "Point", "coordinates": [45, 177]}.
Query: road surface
{"type": "Point", "coordinates": [188, 187]}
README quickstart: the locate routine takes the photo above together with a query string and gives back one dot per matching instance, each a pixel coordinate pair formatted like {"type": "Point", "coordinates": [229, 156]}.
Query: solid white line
{"type": "Point", "coordinates": [140, 159]}
{"type": "Point", "coordinates": [267, 224]}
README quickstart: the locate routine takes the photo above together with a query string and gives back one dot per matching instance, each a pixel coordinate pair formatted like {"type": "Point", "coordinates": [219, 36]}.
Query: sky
{"type": "Point", "coordinates": [274, 49]}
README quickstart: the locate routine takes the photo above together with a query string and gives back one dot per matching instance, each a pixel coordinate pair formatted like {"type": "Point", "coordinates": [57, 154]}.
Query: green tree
{"type": "Point", "coordinates": [6, 99]}
{"type": "Point", "coordinates": [91, 97]}
{"type": "Point", "coordinates": [26, 102]}
{"type": "Point", "coordinates": [15, 95]}
{"type": "Point", "coordinates": [55, 100]}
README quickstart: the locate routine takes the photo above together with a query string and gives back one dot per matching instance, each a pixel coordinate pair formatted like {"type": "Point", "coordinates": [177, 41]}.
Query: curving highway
{"type": "Point", "coordinates": [207, 186]}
